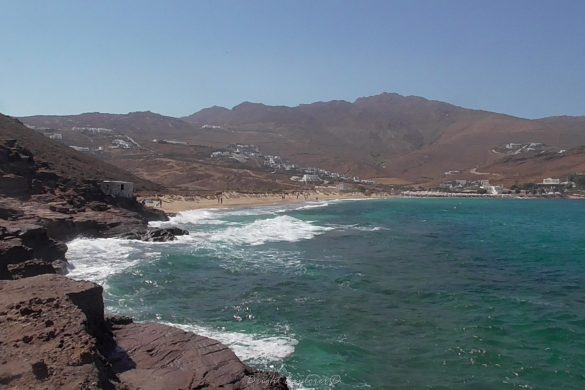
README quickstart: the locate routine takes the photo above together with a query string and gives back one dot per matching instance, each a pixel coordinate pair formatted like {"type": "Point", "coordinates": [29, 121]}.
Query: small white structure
{"type": "Point", "coordinates": [550, 180]}
{"type": "Point", "coordinates": [152, 202]}
{"type": "Point", "coordinates": [120, 144]}
{"type": "Point", "coordinates": [311, 179]}
{"type": "Point", "coordinates": [513, 145]}
{"type": "Point", "coordinates": [494, 190]}
{"type": "Point", "coordinates": [121, 189]}
{"type": "Point", "coordinates": [79, 148]}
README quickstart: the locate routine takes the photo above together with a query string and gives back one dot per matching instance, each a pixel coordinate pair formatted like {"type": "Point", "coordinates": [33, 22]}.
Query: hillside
{"type": "Point", "coordinates": [532, 167]}
{"type": "Point", "coordinates": [393, 138]}
{"type": "Point", "coordinates": [64, 160]}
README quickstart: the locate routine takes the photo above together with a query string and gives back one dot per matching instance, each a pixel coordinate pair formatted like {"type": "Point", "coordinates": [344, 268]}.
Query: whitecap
{"type": "Point", "coordinates": [370, 228]}
{"type": "Point", "coordinates": [359, 228]}
{"type": "Point", "coordinates": [282, 228]}
{"type": "Point", "coordinates": [99, 258]}
{"type": "Point", "coordinates": [193, 217]}
{"type": "Point", "coordinates": [250, 348]}
{"type": "Point", "coordinates": [311, 205]}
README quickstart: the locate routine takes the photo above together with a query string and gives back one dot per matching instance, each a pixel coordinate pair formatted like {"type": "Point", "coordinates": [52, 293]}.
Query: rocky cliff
{"type": "Point", "coordinates": [40, 208]}
{"type": "Point", "coordinates": [54, 336]}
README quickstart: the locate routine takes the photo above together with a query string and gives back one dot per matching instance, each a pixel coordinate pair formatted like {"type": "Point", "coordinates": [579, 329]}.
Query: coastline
{"type": "Point", "coordinates": [172, 204]}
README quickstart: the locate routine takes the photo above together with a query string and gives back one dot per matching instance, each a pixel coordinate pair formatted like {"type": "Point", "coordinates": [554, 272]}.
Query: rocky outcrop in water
{"type": "Point", "coordinates": [155, 234]}
{"type": "Point", "coordinates": [54, 335]}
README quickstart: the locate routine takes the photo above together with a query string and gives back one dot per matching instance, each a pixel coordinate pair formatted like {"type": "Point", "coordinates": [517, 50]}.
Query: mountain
{"type": "Point", "coordinates": [390, 137]}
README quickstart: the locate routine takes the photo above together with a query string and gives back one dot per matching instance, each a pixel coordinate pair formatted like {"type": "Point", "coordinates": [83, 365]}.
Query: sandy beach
{"type": "Point", "coordinates": [177, 203]}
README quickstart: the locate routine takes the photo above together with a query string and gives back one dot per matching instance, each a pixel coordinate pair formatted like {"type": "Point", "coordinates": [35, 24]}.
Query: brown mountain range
{"type": "Point", "coordinates": [394, 138]}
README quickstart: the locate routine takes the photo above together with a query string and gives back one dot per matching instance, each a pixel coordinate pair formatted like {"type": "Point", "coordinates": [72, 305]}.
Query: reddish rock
{"type": "Point", "coordinates": [45, 328]}
{"type": "Point", "coordinates": [155, 356]}
{"type": "Point", "coordinates": [21, 243]}
{"type": "Point", "coordinates": [54, 336]}
{"type": "Point", "coordinates": [30, 268]}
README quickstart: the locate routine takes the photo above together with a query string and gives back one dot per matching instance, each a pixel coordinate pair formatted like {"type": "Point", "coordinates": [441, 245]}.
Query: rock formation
{"type": "Point", "coordinates": [156, 234]}
{"type": "Point", "coordinates": [54, 335]}
{"type": "Point", "coordinates": [40, 208]}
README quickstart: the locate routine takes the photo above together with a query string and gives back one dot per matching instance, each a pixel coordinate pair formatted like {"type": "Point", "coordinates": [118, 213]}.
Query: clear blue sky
{"type": "Point", "coordinates": [521, 57]}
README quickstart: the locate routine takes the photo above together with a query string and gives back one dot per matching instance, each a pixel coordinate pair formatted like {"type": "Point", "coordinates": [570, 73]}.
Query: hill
{"type": "Point", "coordinates": [64, 160]}
{"type": "Point", "coordinates": [393, 138]}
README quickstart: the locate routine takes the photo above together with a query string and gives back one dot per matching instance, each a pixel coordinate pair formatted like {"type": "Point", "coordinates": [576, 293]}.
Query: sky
{"type": "Point", "coordinates": [519, 57]}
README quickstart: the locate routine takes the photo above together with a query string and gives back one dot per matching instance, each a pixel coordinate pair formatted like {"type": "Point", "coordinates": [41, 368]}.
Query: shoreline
{"type": "Point", "coordinates": [172, 204]}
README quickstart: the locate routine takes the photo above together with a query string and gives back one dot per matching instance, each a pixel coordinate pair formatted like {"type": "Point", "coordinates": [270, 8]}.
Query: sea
{"type": "Point", "coordinates": [370, 294]}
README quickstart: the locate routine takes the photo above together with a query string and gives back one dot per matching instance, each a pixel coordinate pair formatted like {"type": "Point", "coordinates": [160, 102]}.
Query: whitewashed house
{"type": "Point", "coordinates": [121, 189]}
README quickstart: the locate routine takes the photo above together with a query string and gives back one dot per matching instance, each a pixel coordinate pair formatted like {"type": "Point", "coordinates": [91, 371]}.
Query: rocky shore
{"type": "Point", "coordinates": [54, 335]}
{"type": "Point", "coordinates": [53, 332]}
{"type": "Point", "coordinates": [40, 210]}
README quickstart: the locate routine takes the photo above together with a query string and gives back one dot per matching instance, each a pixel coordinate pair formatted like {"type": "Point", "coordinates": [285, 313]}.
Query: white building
{"type": "Point", "coordinates": [152, 202]}
{"type": "Point", "coordinates": [79, 148]}
{"type": "Point", "coordinates": [121, 144]}
{"type": "Point", "coordinates": [122, 189]}
{"type": "Point", "coordinates": [311, 179]}
{"type": "Point", "coordinates": [550, 180]}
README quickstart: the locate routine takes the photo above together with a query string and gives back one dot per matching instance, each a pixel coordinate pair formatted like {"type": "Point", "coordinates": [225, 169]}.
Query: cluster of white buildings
{"type": "Point", "coordinates": [245, 152]}
{"type": "Point", "coordinates": [92, 130]}
{"type": "Point", "coordinates": [120, 144]}
{"type": "Point", "coordinates": [318, 175]}
{"type": "Point", "coordinates": [55, 136]}
{"type": "Point", "coordinates": [548, 186]}
{"type": "Point", "coordinates": [460, 185]}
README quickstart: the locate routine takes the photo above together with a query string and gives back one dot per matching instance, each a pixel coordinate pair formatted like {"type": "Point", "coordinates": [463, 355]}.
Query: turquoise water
{"type": "Point", "coordinates": [401, 293]}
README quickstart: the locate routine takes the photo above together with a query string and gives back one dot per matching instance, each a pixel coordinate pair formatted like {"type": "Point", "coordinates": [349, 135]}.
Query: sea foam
{"type": "Point", "coordinates": [281, 228]}
{"type": "Point", "coordinates": [99, 258]}
{"type": "Point", "coordinates": [251, 348]}
{"type": "Point", "coordinates": [193, 217]}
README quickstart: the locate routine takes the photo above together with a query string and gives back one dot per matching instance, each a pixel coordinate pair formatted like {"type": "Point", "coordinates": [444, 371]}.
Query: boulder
{"type": "Point", "coordinates": [164, 234]}
{"type": "Point", "coordinates": [155, 234]}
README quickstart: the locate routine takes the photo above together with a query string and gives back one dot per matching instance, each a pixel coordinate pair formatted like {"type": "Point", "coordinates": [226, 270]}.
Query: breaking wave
{"type": "Point", "coordinates": [193, 217]}
{"type": "Point", "coordinates": [281, 228]}
{"type": "Point", "coordinates": [99, 258]}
